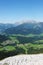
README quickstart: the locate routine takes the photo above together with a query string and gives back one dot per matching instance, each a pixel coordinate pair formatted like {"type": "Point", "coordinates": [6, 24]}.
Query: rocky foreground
{"type": "Point", "coordinates": [36, 59]}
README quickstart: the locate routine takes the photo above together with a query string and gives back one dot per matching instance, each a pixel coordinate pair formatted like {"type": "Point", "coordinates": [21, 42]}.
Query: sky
{"type": "Point", "coordinates": [12, 11]}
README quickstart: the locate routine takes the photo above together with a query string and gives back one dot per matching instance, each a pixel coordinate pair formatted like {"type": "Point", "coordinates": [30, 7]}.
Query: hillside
{"type": "Point", "coordinates": [26, 38]}
{"type": "Point", "coordinates": [20, 44]}
{"type": "Point", "coordinates": [3, 38]}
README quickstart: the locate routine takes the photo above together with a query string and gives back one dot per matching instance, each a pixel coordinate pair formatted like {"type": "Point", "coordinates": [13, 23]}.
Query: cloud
{"type": "Point", "coordinates": [18, 21]}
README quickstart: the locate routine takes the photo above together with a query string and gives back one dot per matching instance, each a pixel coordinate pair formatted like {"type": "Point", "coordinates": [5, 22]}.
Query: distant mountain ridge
{"type": "Point", "coordinates": [3, 26]}
{"type": "Point", "coordinates": [26, 28]}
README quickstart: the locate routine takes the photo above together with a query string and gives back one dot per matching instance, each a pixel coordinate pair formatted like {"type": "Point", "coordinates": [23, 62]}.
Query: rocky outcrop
{"type": "Point", "coordinates": [36, 59]}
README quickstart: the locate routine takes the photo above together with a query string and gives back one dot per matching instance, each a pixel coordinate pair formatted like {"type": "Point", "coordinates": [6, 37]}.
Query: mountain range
{"type": "Point", "coordinates": [3, 26]}
{"type": "Point", "coordinates": [26, 28]}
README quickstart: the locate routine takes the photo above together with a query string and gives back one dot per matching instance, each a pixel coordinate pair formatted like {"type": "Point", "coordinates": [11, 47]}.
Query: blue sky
{"type": "Point", "coordinates": [17, 10]}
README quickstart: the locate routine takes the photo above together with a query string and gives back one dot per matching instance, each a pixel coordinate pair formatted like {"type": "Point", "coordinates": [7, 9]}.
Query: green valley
{"type": "Point", "coordinates": [20, 44]}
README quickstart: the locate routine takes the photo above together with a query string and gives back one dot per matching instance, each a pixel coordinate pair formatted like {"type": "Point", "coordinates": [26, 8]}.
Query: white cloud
{"type": "Point", "coordinates": [19, 21]}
